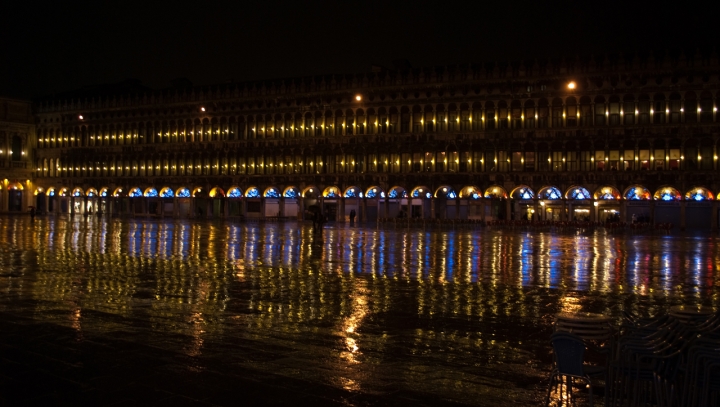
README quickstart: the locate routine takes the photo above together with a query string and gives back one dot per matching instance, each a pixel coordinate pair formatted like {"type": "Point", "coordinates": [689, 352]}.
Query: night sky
{"type": "Point", "coordinates": [53, 47]}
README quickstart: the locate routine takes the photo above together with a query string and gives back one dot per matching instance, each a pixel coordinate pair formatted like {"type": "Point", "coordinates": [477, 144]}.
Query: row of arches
{"type": "Point", "coordinates": [522, 192]}
{"type": "Point", "coordinates": [559, 112]}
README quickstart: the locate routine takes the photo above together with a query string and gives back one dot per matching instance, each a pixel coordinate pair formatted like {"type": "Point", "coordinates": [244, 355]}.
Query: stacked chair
{"type": "Point", "coordinates": [581, 349]}
{"type": "Point", "coordinates": [671, 360]}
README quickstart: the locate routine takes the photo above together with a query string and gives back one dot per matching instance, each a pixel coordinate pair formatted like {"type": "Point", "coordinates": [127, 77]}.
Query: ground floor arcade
{"type": "Point", "coordinates": [693, 209]}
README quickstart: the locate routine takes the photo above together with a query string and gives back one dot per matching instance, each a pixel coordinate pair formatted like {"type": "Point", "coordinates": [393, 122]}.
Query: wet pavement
{"type": "Point", "coordinates": [98, 311]}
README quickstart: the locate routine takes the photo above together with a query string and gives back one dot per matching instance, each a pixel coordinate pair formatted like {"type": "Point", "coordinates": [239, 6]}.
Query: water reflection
{"type": "Point", "coordinates": [356, 307]}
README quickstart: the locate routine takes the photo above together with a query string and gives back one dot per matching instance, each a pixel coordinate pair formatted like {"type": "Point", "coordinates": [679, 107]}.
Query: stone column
{"type": "Point", "coordinates": [340, 216]}
{"type": "Point", "coordinates": [301, 207]}
{"type": "Point", "coordinates": [595, 211]}
{"type": "Point", "coordinates": [652, 211]}
{"type": "Point", "coordinates": [362, 216]}
{"type": "Point", "coordinates": [683, 207]}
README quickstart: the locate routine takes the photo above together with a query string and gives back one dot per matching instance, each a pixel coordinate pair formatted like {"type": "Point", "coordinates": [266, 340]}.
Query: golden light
{"type": "Point", "coordinates": [202, 109]}
{"type": "Point", "coordinates": [571, 85]}
{"type": "Point", "coordinates": [358, 98]}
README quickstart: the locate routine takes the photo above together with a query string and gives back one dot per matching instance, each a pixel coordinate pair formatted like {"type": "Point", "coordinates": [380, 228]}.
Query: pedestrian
{"type": "Point", "coordinates": [352, 216]}
{"type": "Point", "coordinates": [32, 213]}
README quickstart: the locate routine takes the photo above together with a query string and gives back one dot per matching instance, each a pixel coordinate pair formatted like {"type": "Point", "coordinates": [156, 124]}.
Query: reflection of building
{"type": "Point", "coordinates": [589, 131]}
{"type": "Point", "coordinates": [17, 134]}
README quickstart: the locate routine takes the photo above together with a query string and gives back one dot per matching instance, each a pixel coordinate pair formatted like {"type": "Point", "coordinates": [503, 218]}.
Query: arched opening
{"type": "Point", "coordinates": [396, 201]}
{"type": "Point", "coordinates": [497, 196]}
{"type": "Point", "coordinates": [15, 197]}
{"type": "Point", "coordinates": [374, 204]}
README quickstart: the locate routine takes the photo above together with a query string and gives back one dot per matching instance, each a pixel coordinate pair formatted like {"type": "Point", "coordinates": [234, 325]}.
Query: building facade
{"type": "Point", "coordinates": [17, 138]}
{"type": "Point", "coordinates": [585, 139]}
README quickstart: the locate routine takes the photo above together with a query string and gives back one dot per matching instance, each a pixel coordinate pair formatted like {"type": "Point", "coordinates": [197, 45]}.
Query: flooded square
{"type": "Point", "coordinates": [352, 315]}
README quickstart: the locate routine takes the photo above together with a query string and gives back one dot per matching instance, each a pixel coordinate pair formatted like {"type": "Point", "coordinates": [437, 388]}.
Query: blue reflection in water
{"type": "Point", "coordinates": [450, 261]}
{"type": "Point", "coordinates": [586, 262]}
{"type": "Point", "coordinates": [526, 260]}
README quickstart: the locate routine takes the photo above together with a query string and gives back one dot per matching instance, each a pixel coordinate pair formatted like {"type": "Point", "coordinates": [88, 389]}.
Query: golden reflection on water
{"type": "Point", "coordinates": [349, 296]}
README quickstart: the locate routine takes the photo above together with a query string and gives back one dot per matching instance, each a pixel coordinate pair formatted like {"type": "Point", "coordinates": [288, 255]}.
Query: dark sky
{"type": "Point", "coordinates": [49, 47]}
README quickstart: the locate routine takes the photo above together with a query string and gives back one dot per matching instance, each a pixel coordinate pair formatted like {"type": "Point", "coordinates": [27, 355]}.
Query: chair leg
{"type": "Point", "coordinates": [550, 387]}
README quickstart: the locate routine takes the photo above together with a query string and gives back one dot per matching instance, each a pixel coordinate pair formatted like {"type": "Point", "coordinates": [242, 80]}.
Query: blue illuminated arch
{"type": "Point", "coordinates": [699, 194]}
{"type": "Point", "coordinates": [235, 192]}
{"type": "Point", "coordinates": [272, 192]}
{"type": "Point", "coordinates": [523, 192]}
{"type": "Point", "coordinates": [578, 193]}
{"type": "Point", "coordinates": [637, 193]}
{"type": "Point", "coordinates": [374, 192]}
{"type": "Point", "coordinates": [353, 192]}
{"type": "Point", "coordinates": [167, 193]}
{"type": "Point", "coordinates": [151, 193]}
{"type": "Point", "coordinates": [291, 193]}
{"type": "Point", "coordinates": [397, 192]}
{"type": "Point", "coordinates": [550, 193]}
{"type": "Point", "coordinates": [667, 194]}
{"type": "Point", "coordinates": [252, 193]}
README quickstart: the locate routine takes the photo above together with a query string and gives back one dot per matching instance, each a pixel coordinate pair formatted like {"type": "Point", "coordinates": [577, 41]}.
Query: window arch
{"type": "Point", "coordinates": [151, 192]}
{"type": "Point", "coordinates": [699, 194]}
{"type": "Point", "coordinates": [637, 193]}
{"type": "Point", "coordinates": [551, 193]}
{"type": "Point", "coordinates": [667, 194]}
{"type": "Point", "coordinates": [523, 192]}
{"type": "Point", "coordinates": [167, 192]}
{"type": "Point", "coordinates": [183, 193]}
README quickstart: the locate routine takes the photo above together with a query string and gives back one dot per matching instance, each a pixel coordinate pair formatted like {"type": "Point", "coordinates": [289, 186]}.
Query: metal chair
{"type": "Point", "coordinates": [569, 351]}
